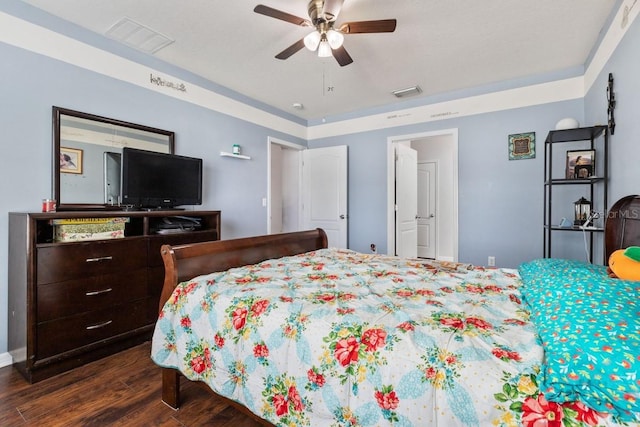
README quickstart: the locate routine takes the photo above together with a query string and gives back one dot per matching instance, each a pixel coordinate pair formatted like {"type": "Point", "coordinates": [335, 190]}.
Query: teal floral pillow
{"type": "Point", "coordinates": [589, 326]}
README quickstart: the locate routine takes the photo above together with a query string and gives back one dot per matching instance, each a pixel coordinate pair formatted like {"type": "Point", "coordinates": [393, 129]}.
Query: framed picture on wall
{"type": "Point", "coordinates": [522, 146]}
{"type": "Point", "coordinates": [580, 164]}
{"type": "Point", "coordinates": [70, 160]}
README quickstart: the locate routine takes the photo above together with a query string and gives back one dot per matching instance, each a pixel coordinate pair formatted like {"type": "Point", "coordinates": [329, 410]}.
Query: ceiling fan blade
{"type": "Point", "coordinates": [379, 26]}
{"type": "Point", "coordinates": [331, 9]}
{"type": "Point", "coordinates": [342, 56]}
{"type": "Point", "coordinates": [291, 49]}
{"type": "Point", "coordinates": [283, 16]}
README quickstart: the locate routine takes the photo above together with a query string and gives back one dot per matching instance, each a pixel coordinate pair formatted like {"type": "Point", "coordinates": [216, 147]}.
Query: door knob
{"type": "Point", "coordinates": [421, 217]}
{"type": "Point", "coordinates": [341, 216]}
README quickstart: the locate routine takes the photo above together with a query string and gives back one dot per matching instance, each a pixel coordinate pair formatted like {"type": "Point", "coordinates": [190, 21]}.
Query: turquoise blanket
{"type": "Point", "coordinates": [589, 325]}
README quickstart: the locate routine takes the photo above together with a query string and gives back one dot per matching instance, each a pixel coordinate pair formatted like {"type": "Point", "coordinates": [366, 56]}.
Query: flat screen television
{"type": "Point", "coordinates": [152, 180]}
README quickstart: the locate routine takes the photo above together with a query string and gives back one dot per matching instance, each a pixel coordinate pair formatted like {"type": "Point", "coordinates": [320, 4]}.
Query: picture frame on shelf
{"type": "Point", "coordinates": [581, 164]}
{"type": "Point", "coordinates": [70, 160]}
{"type": "Point", "coordinates": [522, 146]}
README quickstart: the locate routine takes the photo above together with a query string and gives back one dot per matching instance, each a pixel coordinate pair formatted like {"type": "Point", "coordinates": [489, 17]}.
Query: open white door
{"type": "Point", "coordinates": [324, 183]}
{"type": "Point", "coordinates": [406, 201]}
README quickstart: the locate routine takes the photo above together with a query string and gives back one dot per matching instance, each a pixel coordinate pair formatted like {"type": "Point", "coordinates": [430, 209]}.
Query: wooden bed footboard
{"type": "Point", "coordinates": [185, 262]}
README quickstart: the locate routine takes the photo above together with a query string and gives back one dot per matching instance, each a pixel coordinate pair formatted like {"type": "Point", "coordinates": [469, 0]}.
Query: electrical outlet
{"type": "Point", "coordinates": [491, 262]}
{"type": "Point", "coordinates": [373, 248]}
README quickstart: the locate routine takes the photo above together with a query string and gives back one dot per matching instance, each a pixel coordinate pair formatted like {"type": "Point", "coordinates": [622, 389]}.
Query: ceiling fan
{"type": "Point", "coordinates": [327, 38]}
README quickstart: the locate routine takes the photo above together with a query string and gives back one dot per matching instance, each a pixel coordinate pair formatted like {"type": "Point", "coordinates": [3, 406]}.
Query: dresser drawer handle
{"type": "Point", "coordinates": [98, 325]}
{"type": "Point", "coordinates": [94, 293]}
{"type": "Point", "coordinates": [99, 259]}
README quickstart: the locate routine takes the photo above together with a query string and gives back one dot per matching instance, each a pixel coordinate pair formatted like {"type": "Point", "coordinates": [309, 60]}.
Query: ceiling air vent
{"type": "Point", "coordinates": [410, 91]}
{"type": "Point", "coordinates": [138, 36]}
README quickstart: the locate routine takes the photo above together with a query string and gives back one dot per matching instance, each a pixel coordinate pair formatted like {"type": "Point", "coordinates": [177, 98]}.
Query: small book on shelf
{"type": "Point", "coordinates": [78, 221]}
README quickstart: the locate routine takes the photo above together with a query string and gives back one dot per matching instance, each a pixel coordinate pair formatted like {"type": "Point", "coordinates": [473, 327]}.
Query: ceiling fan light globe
{"type": "Point", "coordinates": [335, 39]}
{"type": "Point", "coordinates": [312, 40]}
{"type": "Point", "coordinates": [324, 50]}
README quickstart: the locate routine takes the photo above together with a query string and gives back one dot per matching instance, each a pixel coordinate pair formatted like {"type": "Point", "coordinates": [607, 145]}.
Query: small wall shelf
{"type": "Point", "coordinates": [237, 156]}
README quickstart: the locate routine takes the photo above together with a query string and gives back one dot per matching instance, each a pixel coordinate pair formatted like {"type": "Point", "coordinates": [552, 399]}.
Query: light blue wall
{"type": "Point", "coordinates": [37, 83]}
{"type": "Point", "coordinates": [32, 84]}
{"type": "Point", "coordinates": [625, 142]}
{"type": "Point", "coordinates": [500, 201]}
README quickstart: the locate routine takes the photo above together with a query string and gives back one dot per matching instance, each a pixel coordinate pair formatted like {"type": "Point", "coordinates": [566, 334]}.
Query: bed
{"type": "Point", "coordinates": [298, 334]}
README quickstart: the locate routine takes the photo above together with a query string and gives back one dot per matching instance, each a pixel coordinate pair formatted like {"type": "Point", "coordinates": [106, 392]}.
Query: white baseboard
{"type": "Point", "coordinates": [5, 360]}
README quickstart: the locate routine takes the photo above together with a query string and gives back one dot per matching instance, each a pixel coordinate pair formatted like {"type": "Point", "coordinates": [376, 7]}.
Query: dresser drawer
{"type": "Point", "coordinates": [62, 299]}
{"type": "Point", "coordinates": [79, 260]}
{"type": "Point", "coordinates": [69, 333]}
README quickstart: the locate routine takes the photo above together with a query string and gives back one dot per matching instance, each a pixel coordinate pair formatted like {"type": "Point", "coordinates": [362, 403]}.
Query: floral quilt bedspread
{"type": "Point", "coordinates": [338, 338]}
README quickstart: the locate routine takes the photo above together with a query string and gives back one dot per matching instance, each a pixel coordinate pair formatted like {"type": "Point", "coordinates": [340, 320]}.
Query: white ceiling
{"type": "Point", "coordinates": [442, 46]}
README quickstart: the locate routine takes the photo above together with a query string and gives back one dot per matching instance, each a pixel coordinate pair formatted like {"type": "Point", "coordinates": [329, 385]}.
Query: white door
{"type": "Point", "coordinates": [324, 178]}
{"type": "Point", "coordinates": [427, 185]}
{"type": "Point", "coordinates": [406, 201]}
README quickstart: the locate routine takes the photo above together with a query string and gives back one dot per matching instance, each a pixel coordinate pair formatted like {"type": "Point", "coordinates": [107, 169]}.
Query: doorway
{"type": "Point", "coordinates": [438, 170]}
{"type": "Point", "coordinates": [112, 174]}
{"type": "Point", "coordinates": [284, 177]}
{"type": "Point", "coordinates": [306, 189]}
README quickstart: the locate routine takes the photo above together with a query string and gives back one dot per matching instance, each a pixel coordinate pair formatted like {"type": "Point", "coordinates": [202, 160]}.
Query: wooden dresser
{"type": "Point", "coordinates": [74, 302]}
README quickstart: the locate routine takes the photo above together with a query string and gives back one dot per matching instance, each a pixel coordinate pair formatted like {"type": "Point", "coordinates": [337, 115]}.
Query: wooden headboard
{"type": "Point", "coordinates": [185, 262]}
{"type": "Point", "coordinates": [622, 225]}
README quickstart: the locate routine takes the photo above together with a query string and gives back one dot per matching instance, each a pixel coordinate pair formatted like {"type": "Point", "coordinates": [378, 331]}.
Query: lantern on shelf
{"type": "Point", "coordinates": [582, 211]}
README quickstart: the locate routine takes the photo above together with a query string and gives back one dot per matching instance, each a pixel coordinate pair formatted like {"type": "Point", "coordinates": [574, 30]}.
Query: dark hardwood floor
{"type": "Point", "coordinates": [120, 390]}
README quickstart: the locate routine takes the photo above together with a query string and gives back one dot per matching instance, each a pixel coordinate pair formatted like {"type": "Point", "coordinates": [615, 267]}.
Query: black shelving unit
{"type": "Point", "coordinates": [589, 138]}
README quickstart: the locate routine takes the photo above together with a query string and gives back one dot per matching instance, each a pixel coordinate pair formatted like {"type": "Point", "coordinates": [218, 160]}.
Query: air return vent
{"type": "Point", "coordinates": [138, 36]}
{"type": "Point", "coordinates": [410, 91]}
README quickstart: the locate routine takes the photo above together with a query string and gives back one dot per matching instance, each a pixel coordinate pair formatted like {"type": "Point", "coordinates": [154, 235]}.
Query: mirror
{"type": "Point", "coordinates": [86, 157]}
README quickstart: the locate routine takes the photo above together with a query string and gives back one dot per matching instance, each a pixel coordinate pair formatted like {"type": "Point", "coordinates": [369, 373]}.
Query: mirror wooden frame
{"type": "Point", "coordinates": [90, 130]}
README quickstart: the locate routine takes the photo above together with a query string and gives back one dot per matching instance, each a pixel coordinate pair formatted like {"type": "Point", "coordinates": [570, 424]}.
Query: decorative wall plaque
{"type": "Point", "coordinates": [611, 105]}
{"type": "Point", "coordinates": [522, 146]}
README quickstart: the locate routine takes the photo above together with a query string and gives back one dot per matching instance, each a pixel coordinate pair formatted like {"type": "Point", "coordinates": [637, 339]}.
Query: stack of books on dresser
{"type": "Point", "coordinates": [83, 229]}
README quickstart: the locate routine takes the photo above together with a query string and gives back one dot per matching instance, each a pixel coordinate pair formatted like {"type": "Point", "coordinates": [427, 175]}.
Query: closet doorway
{"type": "Point", "coordinates": [307, 189]}
{"type": "Point", "coordinates": [284, 180]}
